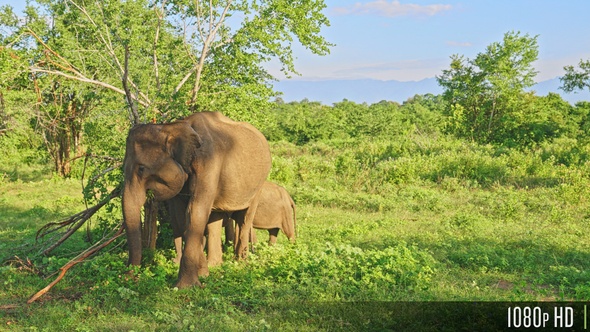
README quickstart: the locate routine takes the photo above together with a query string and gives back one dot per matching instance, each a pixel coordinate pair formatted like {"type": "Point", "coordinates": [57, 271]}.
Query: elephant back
{"type": "Point", "coordinates": [240, 150]}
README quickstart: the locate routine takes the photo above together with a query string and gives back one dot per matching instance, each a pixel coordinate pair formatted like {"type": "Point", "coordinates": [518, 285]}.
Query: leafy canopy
{"type": "Point", "coordinates": [75, 70]}
{"type": "Point", "coordinates": [486, 95]}
{"type": "Point", "coordinates": [576, 79]}
{"type": "Point", "coordinates": [167, 58]}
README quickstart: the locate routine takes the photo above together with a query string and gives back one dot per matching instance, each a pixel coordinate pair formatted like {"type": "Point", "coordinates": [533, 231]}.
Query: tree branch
{"type": "Point", "coordinates": [130, 103]}
{"type": "Point", "coordinates": [78, 259]}
{"type": "Point", "coordinates": [213, 28]}
{"type": "Point", "coordinates": [156, 38]}
{"type": "Point", "coordinates": [77, 220]}
{"type": "Point", "coordinates": [106, 41]}
{"type": "Point", "coordinates": [86, 80]}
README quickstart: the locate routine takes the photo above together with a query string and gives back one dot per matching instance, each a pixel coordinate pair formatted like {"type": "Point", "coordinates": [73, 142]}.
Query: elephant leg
{"type": "Point", "coordinates": [243, 235]}
{"type": "Point", "coordinates": [194, 263]}
{"type": "Point", "coordinates": [178, 248]}
{"type": "Point", "coordinates": [230, 230]}
{"type": "Point", "coordinates": [177, 212]}
{"type": "Point", "coordinates": [245, 221]}
{"type": "Point", "coordinates": [239, 219]}
{"type": "Point", "coordinates": [253, 238]}
{"type": "Point", "coordinates": [214, 250]}
{"type": "Point", "coordinates": [272, 236]}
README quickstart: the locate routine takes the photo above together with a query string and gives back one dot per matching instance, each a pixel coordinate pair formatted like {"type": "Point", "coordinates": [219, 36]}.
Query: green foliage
{"type": "Point", "coordinates": [456, 236]}
{"type": "Point", "coordinates": [305, 121]}
{"type": "Point", "coordinates": [390, 206]}
{"type": "Point", "coordinates": [487, 98]}
{"type": "Point", "coordinates": [142, 61]}
{"type": "Point", "coordinates": [576, 79]}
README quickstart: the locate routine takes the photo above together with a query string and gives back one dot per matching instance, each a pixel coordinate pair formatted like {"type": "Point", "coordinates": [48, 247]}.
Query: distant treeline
{"type": "Point", "coordinates": [548, 118]}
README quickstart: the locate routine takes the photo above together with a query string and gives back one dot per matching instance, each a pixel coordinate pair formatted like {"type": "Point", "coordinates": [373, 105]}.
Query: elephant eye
{"type": "Point", "coordinates": [140, 170]}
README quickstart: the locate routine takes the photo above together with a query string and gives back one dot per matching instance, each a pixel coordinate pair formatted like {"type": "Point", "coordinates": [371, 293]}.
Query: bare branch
{"type": "Point", "coordinates": [210, 17]}
{"type": "Point", "coordinates": [86, 80]}
{"type": "Point", "coordinates": [199, 20]}
{"type": "Point", "coordinates": [156, 71]}
{"type": "Point", "coordinates": [184, 79]}
{"type": "Point", "coordinates": [213, 28]}
{"type": "Point", "coordinates": [130, 103]}
{"type": "Point", "coordinates": [74, 222]}
{"type": "Point", "coordinates": [78, 75]}
{"type": "Point", "coordinates": [110, 169]}
{"type": "Point", "coordinates": [48, 49]}
{"type": "Point", "coordinates": [78, 259]}
{"type": "Point", "coordinates": [109, 46]}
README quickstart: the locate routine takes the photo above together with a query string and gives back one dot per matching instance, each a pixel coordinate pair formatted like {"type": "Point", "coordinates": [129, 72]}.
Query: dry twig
{"type": "Point", "coordinates": [73, 223]}
{"type": "Point", "coordinates": [80, 258]}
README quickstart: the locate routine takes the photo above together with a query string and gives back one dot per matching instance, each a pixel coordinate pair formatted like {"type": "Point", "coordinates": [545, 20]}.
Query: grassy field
{"type": "Point", "coordinates": [420, 220]}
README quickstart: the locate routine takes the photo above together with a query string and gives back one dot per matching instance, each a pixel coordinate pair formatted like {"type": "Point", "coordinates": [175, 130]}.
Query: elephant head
{"type": "Point", "coordinates": [157, 159]}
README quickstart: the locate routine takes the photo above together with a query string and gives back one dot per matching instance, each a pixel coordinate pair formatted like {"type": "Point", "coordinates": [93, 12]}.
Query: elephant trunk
{"type": "Point", "coordinates": [133, 200]}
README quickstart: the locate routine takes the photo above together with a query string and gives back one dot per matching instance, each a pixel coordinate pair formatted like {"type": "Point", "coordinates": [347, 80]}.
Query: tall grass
{"type": "Point", "coordinates": [418, 217]}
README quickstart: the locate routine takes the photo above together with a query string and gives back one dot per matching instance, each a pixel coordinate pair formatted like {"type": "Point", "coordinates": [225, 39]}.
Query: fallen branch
{"type": "Point", "coordinates": [8, 306]}
{"type": "Point", "coordinates": [23, 265]}
{"type": "Point", "coordinates": [76, 260]}
{"type": "Point", "coordinates": [74, 222]}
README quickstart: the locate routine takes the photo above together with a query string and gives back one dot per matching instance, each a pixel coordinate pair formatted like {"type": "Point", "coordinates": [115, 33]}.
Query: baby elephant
{"type": "Point", "coordinates": [276, 211]}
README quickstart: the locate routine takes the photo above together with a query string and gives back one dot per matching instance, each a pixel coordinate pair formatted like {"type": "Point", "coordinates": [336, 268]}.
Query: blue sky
{"type": "Point", "coordinates": [412, 40]}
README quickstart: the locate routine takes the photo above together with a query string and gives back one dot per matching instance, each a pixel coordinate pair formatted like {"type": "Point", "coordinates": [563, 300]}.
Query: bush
{"type": "Point", "coordinates": [351, 273]}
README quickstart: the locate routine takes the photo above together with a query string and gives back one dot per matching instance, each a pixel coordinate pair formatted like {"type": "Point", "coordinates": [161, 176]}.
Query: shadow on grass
{"type": "Point", "coordinates": [531, 262]}
{"type": "Point", "coordinates": [26, 173]}
{"type": "Point", "coordinates": [18, 230]}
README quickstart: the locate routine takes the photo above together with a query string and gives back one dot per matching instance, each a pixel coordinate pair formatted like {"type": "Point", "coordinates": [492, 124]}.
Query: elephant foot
{"type": "Point", "coordinates": [203, 272]}
{"type": "Point", "coordinates": [242, 254]}
{"type": "Point", "coordinates": [186, 282]}
{"type": "Point", "coordinates": [214, 262]}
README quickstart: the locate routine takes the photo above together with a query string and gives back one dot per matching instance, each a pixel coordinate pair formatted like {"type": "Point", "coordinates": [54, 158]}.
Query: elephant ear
{"type": "Point", "coordinates": [182, 144]}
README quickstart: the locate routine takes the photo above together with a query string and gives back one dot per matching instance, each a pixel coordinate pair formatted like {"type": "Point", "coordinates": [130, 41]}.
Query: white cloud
{"type": "Point", "coordinates": [391, 9]}
{"type": "Point", "coordinates": [402, 70]}
{"type": "Point", "coordinates": [549, 67]}
{"type": "Point", "coordinates": [459, 44]}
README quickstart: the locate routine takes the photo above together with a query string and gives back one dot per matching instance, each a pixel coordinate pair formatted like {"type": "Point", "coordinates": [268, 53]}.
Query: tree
{"type": "Point", "coordinates": [486, 96]}
{"type": "Point", "coordinates": [163, 59]}
{"type": "Point", "coordinates": [160, 60]}
{"type": "Point", "coordinates": [576, 79]}
{"type": "Point", "coordinates": [424, 112]}
{"type": "Point", "coordinates": [166, 55]}
{"type": "Point", "coordinates": [155, 60]}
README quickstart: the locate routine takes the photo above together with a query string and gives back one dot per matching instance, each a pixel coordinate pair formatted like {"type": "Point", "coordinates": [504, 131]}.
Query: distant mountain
{"type": "Point", "coordinates": [552, 85]}
{"type": "Point", "coordinates": [373, 91]}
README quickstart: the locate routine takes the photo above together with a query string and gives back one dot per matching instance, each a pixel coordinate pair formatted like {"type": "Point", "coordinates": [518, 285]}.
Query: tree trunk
{"type": "Point", "coordinates": [65, 151]}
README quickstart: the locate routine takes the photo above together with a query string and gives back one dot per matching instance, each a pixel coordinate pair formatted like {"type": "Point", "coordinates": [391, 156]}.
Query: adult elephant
{"type": "Point", "coordinates": [213, 162]}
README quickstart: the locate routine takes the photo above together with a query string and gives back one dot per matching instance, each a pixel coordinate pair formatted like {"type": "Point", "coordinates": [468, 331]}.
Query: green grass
{"type": "Point", "coordinates": [490, 228]}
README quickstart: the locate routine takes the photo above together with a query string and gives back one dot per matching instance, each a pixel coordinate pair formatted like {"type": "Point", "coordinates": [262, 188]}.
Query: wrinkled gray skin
{"type": "Point", "coordinates": [206, 160]}
{"type": "Point", "coordinates": [275, 212]}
